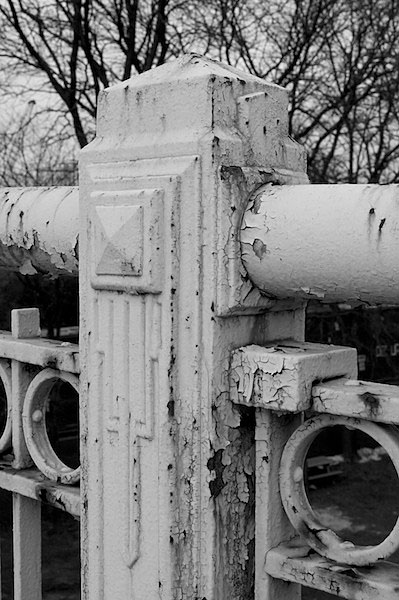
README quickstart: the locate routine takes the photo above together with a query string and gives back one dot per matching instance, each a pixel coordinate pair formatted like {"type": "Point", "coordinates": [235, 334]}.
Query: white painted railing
{"type": "Point", "coordinates": [192, 398]}
{"type": "Point", "coordinates": [30, 468]}
{"type": "Point", "coordinates": [326, 242]}
{"type": "Point", "coordinates": [39, 230]}
{"type": "Point", "coordinates": [280, 380]}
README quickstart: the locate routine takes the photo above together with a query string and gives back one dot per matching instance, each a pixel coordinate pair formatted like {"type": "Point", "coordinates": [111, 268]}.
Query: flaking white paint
{"type": "Point", "coordinates": [351, 229]}
{"type": "Point", "coordinates": [181, 129]}
{"type": "Point", "coordinates": [39, 230]}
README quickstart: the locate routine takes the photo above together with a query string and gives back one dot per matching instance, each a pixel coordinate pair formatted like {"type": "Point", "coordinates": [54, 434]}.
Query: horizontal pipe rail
{"type": "Point", "coordinates": [39, 230]}
{"type": "Point", "coordinates": [335, 243]}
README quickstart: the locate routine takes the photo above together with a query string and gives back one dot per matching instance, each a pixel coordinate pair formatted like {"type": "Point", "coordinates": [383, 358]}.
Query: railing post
{"type": "Point", "coordinates": [168, 461]}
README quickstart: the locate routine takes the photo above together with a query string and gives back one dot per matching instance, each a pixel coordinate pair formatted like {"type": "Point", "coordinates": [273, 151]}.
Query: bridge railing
{"type": "Point", "coordinates": [196, 261]}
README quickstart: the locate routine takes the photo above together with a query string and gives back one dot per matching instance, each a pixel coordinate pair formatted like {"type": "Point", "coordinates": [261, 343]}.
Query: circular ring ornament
{"type": "Point", "coordinates": [34, 425]}
{"type": "Point", "coordinates": [5, 376]}
{"type": "Point", "coordinates": [296, 504]}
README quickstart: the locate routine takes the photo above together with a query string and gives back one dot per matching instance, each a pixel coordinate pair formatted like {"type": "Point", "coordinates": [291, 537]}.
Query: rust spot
{"type": "Point", "coordinates": [381, 225]}
{"type": "Point", "coordinates": [371, 211]}
{"type": "Point", "coordinates": [52, 363]}
{"type": "Point", "coordinates": [259, 248]}
{"type": "Point", "coordinates": [371, 402]}
{"type": "Point", "coordinates": [227, 172]}
{"type": "Point", "coordinates": [215, 464]}
{"type": "Point", "coordinates": [171, 408]}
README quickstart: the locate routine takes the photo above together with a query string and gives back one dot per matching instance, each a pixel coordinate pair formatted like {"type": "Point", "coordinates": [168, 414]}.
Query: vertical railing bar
{"type": "Point", "coordinates": [27, 548]}
{"type": "Point", "coordinates": [25, 323]}
{"type": "Point", "coordinates": [271, 523]}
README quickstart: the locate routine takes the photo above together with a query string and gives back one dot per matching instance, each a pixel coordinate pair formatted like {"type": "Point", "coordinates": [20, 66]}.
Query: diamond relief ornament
{"type": "Point", "coordinates": [119, 237]}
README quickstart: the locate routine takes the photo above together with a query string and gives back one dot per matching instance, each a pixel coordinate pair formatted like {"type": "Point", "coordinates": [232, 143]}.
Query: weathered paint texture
{"type": "Point", "coordinates": [184, 346]}
{"type": "Point", "coordinates": [39, 230]}
{"type": "Point", "coordinates": [296, 504]}
{"type": "Point", "coordinates": [182, 148]}
{"type": "Point", "coordinates": [296, 563]}
{"type": "Point", "coordinates": [280, 376]}
{"type": "Point", "coordinates": [351, 229]}
{"type": "Point", "coordinates": [377, 402]}
{"type": "Point", "coordinates": [21, 355]}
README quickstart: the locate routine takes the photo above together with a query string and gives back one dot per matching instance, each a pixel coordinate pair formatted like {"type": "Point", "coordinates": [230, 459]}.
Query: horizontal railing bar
{"type": "Point", "coordinates": [39, 230]}
{"type": "Point", "coordinates": [334, 243]}
{"type": "Point", "coordinates": [33, 484]}
{"type": "Point", "coordinates": [54, 354]}
{"type": "Point", "coordinates": [297, 563]}
{"type": "Point", "coordinates": [359, 399]}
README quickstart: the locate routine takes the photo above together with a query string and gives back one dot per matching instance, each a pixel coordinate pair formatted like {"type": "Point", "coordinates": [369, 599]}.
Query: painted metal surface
{"type": "Point", "coordinates": [27, 388]}
{"type": "Point", "coordinates": [334, 243]}
{"type": "Point", "coordinates": [294, 498]}
{"type": "Point", "coordinates": [296, 563]}
{"type": "Point", "coordinates": [39, 230]}
{"type": "Point", "coordinates": [360, 399]}
{"type": "Point", "coordinates": [287, 378]}
{"type": "Point", "coordinates": [53, 354]}
{"type": "Point", "coordinates": [26, 512]}
{"type": "Point", "coordinates": [31, 483]}
{"type": "Point", "coordinates": [182, 351]}
{"type": "Point", "coordinates": [34, 426]}
{"type": "Point", "coordinates": [27, 551]}
{"type": "Point", "coordinates": [271, 524]}
{"type": "Point", "coordinates": [280, 376]}
{"type": "Point", "coordinates": [180, 148]}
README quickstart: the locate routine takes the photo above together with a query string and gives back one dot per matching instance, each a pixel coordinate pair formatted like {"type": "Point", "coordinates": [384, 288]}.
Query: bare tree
{"type": "Point", "coordinates": [339, 60]}
{"type": "Point", "coordinates": [35, 149]}
{"type": "Point", "coordinates": [77, 48]}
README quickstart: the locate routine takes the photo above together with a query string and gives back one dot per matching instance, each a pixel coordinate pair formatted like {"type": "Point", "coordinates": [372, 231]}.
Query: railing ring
{"type": "Point", "coordinates": [296, 504]}
{"type": "Point", "coordinates": [34, 425]}
{"type": "Point", "coordinates": [5, 376]}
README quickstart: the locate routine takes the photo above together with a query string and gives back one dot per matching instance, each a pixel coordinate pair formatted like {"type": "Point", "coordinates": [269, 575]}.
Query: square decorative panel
{"type": "Point", "coordinates": [119, 240]}
{"type": "Point", "coordinates": [127, 240]}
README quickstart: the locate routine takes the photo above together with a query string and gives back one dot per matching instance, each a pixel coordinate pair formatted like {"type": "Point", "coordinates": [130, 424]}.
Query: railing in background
{"type": "Point", "coordinates": [30, 468]}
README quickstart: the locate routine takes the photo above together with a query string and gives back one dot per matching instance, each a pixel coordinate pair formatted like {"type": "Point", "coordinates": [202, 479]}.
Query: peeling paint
{"type": "Point", "coordinates": [295, 562]}
{"type": "Point", "coordinates": [280, 377]}
{"type": "Point", "coordinates": [259, 248]}
{"type": "Point", "coordinates": [323, 242]}
{"type": "Point", "coordinates": [322, 539]}
{"type": "Point", "coordinates": [39, 229]}
{"type": "Point", "coordinates": [235, 508]}
{"type": "Point", "coordinates": [208, 161]}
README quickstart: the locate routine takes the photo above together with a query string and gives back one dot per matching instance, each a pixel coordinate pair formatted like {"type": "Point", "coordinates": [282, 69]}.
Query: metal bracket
{"type": "Point", "coordinates": [280, 376]}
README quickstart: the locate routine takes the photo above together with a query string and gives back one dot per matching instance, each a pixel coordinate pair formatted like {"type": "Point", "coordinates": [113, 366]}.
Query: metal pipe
{"type": "Point", "coordinates": [39, 230]}
{"type": "Point", "coordinates": [335, 243]}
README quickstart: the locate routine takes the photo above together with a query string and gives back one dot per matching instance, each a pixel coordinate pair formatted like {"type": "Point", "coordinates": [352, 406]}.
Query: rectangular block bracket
{"type": "Point", "coordinates": [280, 376]}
